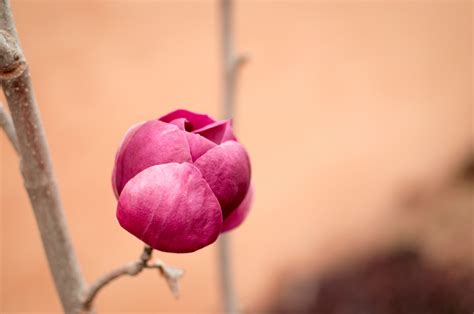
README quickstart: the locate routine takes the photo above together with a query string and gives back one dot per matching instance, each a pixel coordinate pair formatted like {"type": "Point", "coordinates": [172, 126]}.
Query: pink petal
{"type": "Point", "coordinates": [198, 145]}
{"type": "Point", "coordinates": [229, 134]}
{"type": "Point", "coordinates": [153, 143]}
{"type": "Point", "coordinates": [218, 132]}
{"type": "Point", "coordinates": [226, 169]}
{"type": "Point", "coordinates": [197, 120]}
{"type": "Point", "coordinates": [126, 139]}
{"type": "Point", "coordinates": [237, 216]}
{"type": "Point", "coordinates": [171, 208]}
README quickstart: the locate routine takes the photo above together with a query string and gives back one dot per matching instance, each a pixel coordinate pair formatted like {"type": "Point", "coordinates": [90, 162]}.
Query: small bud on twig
{"type": "Point", "coordinates": [172, 276]}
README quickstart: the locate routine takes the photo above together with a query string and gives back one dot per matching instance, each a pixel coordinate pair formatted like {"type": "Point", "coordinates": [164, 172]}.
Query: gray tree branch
{"type": "Point", "coordinates": [231, 64]}
{"type": "Point", "coordinates": [6, 124]}
{"type": "Point", "coordinates": [231, 61]}
{"type": "Point", "coordinates": [36, 166]}
{"type": "Point", "coordinates": [25, 131]}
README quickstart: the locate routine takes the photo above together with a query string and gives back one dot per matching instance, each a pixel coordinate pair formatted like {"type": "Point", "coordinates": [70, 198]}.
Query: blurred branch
{"type": "Point", "coordinates": [231, 64]}
{"type": "Point", "coordinates": [7, 125]}
{"type": "Point", "coordinates": [171, 274]}
{"type": "Point", "coordinates": [227, 287]}
{"type": "Point", "coordinates": [36, 166]}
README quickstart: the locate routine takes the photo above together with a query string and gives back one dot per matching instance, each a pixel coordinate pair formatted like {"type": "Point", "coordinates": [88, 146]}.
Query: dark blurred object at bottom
{"type": "Point", "coordinates": [429, 270]}
{"type": "Point", "coordinates": [398, 283]}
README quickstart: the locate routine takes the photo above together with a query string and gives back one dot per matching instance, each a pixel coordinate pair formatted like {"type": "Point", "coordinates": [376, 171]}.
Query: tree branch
{"type": "Point", "coordinates": [7, 124]}
{"type": "Point", "coordinates": [36, 166]}
{"type": "Point", "coordinates": [25, 131]}
{"type": "Point", "coordinates": [171, 274]}
{"type": "Point", "coordinates": [231, 64]}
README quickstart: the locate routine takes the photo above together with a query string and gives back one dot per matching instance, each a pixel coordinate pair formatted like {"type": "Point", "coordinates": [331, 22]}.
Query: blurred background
{"type": "Point", "coordinates": [358, 119]}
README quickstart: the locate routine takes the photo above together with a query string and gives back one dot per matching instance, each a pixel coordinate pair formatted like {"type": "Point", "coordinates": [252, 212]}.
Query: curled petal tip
{"type": "Point", "coordinates": [197, 120]}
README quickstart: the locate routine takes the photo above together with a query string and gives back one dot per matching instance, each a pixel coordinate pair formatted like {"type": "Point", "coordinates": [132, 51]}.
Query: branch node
{"type": "Point", "coordinates": [171, 274]}
{"type": "Point", "coordinates": [146, 255]}
{"type": "Point", "coordinates": [12, 62]}
{"type": "Point", "coordinates": [240, 60]}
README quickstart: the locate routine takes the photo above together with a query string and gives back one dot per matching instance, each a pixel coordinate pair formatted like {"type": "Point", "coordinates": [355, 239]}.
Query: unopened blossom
{"type": "Point", "coordinates": [181, 180]}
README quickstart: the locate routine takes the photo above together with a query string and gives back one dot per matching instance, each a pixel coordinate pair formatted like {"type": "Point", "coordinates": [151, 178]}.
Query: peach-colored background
{"type": "Point", "coordinates": [342, 106]}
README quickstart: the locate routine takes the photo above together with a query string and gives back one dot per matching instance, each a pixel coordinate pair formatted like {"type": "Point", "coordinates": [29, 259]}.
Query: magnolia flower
{"type": "Point", "coordinates": [181, 180]}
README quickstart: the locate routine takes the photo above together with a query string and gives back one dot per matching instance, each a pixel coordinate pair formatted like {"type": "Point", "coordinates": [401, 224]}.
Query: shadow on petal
{"type": "Point", "coordinates": [237, 216]}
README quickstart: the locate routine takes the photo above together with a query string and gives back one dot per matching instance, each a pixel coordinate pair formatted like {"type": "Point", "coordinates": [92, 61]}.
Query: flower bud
{"type": "Point", "coordinates": [181, 180]}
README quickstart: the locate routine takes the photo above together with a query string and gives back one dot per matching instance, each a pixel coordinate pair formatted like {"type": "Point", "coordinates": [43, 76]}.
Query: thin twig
{"type": "Point", "coordinates": [171, 274]}
{"type": "Point", "coordinates": [36, 166]}
{"type": "Point", "coordinates": [7, 124]}
{"type": "Point", "coordinates": [131, 269]}
{"type": "Point", "coordinates": [231, 63]}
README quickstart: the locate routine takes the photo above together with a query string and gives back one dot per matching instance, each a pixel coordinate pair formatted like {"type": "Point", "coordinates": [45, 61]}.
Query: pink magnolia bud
{"type": "Point", "coordinates": [181, 180]}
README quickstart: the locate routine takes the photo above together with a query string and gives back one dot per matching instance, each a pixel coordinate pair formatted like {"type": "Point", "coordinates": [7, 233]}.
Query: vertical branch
{"type": "Point", "coordinates": [36, 166]}
{"type": "Point", "coordinates": [230, 65]}
{"type": "Point", "coordinates": [227, 58]}
{"type": "Point", "coordinates": [6, 124]}
{"type": "Point", "coordinates": [227, 286]}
